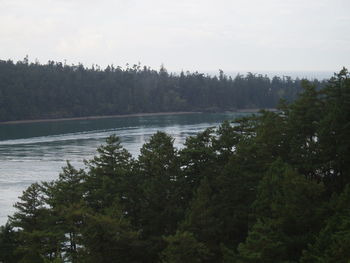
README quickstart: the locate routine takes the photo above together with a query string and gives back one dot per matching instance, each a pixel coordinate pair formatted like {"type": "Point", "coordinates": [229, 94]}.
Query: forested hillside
{"type": "Point", "coordinates": [54, 90]}
{"type": "Point", "coordinates": [274, 187]}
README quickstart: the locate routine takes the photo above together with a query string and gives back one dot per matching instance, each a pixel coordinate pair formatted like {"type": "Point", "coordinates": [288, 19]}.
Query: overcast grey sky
{"type": "Point", "coordinates": [182, 34]}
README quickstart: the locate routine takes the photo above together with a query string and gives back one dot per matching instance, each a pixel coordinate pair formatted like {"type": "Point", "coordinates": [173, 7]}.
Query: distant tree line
{"type": "Point", "coordinates": [273, 187]}
{"type": "Point", "coordinates": [55, 90]}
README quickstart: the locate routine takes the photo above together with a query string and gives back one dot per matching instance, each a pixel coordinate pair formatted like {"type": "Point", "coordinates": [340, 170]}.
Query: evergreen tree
{"type": "Point", "coordinates": [334, 139]}
{"type": "Point", "coordinates": [65, 198]}
{"type": "Point", "coordinates": [8, 244]}
{"type": "Point", "coordinates": [109, 237]}
{"type": "Point", "coordinates": [333, 242]}
{"type": "Point", "coordinates": [183, 247]}
{"type": "Point", "coordinates": [303, 117]}
{"type": "Point", "coordinates": [161, 203]}
{"type": "Point", "coordinates": [203, 222]}
{"type": "Point", "coordinates": [56, 90]}
{"type": "Point", "coordinates": [288, 212]}
{"type": "Point", "coordinates": [107, 174]}
{"type": "Point", "coordinates": [37, 239]}
{"type": "Point", "coordinates": [198, 160]}
{"type": "Point", "coordinates": [271, 187]}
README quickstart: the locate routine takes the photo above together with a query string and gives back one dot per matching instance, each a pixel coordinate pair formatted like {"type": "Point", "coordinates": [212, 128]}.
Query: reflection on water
{"type": "Point", "coordinates": [34, 152]}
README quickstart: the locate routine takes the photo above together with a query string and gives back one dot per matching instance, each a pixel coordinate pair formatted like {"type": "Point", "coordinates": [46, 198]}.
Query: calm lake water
{"type": "Point", "coordinates": [34, 152]}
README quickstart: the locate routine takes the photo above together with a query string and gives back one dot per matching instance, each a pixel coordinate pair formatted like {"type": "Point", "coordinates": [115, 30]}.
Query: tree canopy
{"type": "Point", "coordinates": [55, 90]}
{"type": "Point", "coordinates": [271, 187]}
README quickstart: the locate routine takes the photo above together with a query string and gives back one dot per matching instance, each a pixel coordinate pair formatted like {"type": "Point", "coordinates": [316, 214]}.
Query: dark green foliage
{"type": "Point", "coordinates": [161, 204]}
{"type": "Point", "coordinates": [333, 242]}
{"type": "Point", "coordinates": [235, 192]}
{"type": "Point", "coordinates": [54, 90]}
{"type": "Point", "coordinates": [8, 244]}
{"type": "Point", "coordinates": [334, 132]}
{"type": "Point", "coordinates": [201, 219]}
{"type": "Point", "coordinates": [108, 238]}
{"type": "Point", "coordinates": [65, 199]}
{"type": "Point", "coordinates": [107, 172]}
{"type": "Point", "coordinates": [38, 238]}
{"type": "Point", "coordinates": [198, 160]}
{"type": "Point", "coordinates": [182, 248]}
{"type": "Point", "coordinates": [272, 187]}
{"type": "Point", "coordinates": [288, 214]}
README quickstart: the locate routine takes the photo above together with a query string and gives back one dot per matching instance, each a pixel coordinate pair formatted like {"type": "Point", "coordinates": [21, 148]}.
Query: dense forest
{"type": "Point", "coordinates": [271, 187]}
{"type": "Point", "coordinates": [55, 90]}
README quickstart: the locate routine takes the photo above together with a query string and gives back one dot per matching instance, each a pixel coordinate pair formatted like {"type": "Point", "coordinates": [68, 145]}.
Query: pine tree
{"type": "Point", "coordinates": [107, 174]}
{"type": "Point", "coordinates": [334, 132]}
{"type": "Point", "coordinates": [202, 220]}
{"type": "Point", "coordinates": [303, 122]}
{"type": "Point", "coordinates": [332, 244]}
{"type": "Point", "coordinates": [288, 212]}
{"type": "Point", "coordinates": [182, 248]}
{"type": "Point", "coordinates": [8, 244]}
{"type": "Point", "coordinates": [161, 200]}
{"type": "Point", "coordinates": [109, 237]}
{"type": "Point", "coordinates": [65, 198]}
{"type": "Point", "coordinates": [38, 240]}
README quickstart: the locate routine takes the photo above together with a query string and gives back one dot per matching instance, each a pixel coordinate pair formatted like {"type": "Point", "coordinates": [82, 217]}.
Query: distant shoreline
{"type": "Point", "coordinates": [99, 117]}
{"type": "Point", "coordinates": [256, 110]}
{"type": "Point", "coordinates": [122, 116]}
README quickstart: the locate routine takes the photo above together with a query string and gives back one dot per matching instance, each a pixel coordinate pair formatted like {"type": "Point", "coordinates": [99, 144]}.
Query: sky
{"type": "Point", "coordinates": [195, 35]}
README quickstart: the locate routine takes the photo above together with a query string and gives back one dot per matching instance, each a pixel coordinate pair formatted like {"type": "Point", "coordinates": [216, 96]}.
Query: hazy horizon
{"type": "Point", "coordinates": [307, 74]}
{"type": "Point", "coordinates": [232, 35]}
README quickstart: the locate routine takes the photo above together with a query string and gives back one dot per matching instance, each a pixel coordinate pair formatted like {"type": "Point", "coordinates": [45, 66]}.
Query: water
{"type": "Point", "coordinates": [34, 152]}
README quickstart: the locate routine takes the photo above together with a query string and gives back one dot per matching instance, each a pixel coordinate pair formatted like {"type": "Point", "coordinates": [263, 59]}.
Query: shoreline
{"type": "Point", "coordinates": [255, 110]}
{"type": "Point", "coordinates": [100, 117]}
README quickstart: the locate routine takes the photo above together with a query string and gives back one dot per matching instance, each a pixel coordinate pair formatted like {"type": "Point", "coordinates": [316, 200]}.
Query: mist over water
{"type": "Point", "coordinates": [34, 152]}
